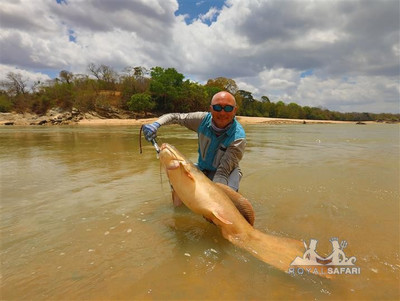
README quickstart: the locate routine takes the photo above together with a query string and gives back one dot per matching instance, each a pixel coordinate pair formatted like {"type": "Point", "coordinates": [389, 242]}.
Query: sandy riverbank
{"type": "Point", "coordinates": [242, 119]}
{"type": "Point", "coordinates": [55, 118]}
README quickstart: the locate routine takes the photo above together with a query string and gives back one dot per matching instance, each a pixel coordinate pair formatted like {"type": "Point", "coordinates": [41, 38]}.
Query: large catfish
{"type": "Point", "coordinates": [203, 197]}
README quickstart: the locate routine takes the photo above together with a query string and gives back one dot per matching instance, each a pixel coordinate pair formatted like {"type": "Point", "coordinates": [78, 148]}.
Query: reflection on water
{"type": "Point", "coordinates": [85, 216]}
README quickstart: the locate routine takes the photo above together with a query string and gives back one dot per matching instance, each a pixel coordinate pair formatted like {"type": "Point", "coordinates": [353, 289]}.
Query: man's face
{"type": "Point", "coordinates": [223, 118]}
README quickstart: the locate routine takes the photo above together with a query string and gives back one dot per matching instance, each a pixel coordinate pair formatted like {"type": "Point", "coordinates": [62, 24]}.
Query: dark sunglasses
{"type": "Point", "coordinates": [219, 108]}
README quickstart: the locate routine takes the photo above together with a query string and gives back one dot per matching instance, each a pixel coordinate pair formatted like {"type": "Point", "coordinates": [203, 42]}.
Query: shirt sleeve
{"type": "Point", "coordinates": [230, 160]}
{"type": "Point", "coordinates": [190, 120]}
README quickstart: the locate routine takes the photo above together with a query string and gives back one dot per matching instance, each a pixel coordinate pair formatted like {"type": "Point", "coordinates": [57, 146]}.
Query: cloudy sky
{"type": "Point", "coordinates": [341, 55]}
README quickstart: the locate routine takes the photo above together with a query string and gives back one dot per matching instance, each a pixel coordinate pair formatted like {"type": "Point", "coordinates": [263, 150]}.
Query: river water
{"type": "Point", "coordinates": [84, 216]}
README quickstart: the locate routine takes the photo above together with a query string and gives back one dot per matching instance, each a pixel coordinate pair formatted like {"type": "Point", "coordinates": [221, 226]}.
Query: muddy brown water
{"type": "Point", "coordinates": [84, 216]}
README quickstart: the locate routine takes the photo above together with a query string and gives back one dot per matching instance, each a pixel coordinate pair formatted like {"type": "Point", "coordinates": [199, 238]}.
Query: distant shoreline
{"type": "Point", "coordinates": [242, 119]}
{"type": "Point", "coordinates": [13, 119]}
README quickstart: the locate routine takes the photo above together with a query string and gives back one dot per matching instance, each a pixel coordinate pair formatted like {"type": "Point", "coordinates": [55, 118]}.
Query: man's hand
{"type": "Point", "coordinates": [150, 130]}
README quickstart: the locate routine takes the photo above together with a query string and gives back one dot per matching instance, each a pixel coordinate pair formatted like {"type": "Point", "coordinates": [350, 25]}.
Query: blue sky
{"type": "Point", "coordinates": [195, 8]}
{"type": "Point", "coordinates": [339, 55]}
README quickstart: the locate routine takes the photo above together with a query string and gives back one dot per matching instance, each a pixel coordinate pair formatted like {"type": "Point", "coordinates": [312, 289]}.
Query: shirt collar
{"type": "Point", "coordinates": [218, 131]}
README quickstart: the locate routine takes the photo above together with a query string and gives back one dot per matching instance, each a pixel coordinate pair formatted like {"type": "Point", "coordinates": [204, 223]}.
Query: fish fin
{"type": "Point", "coordinates": [175, 199]}
{"type": "Point", "coordinates": [186, 168]}
{"type": "Point", "coordinates": [241, 203]}
{"type": "Point", "coordinates": [221, 218]}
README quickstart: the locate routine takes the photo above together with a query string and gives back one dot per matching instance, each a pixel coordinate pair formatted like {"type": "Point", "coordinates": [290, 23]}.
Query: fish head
{"type": "Point", "coordinates": [170, 157]}
{"type": "Point", "coordinates": [178, 168]}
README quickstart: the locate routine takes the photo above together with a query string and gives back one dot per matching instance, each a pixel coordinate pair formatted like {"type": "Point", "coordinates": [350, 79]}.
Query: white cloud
{"type": "Point", "coordinates": [29, 77]}
{"type": "Point", "coordinates": [210, 15]}
{"type": "Point", "coordinates": [351, 48]}
{"type": "Point", "coordinates": [278, 79]}
{"type": "Point", "coordinates": [375, 94]}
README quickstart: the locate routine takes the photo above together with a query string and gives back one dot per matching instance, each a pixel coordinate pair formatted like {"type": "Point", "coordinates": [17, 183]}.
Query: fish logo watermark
{"type": "Point", "coordinates": [335, 264]}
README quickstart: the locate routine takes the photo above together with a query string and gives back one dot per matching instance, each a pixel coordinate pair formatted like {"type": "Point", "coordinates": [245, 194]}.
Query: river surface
{"type": "Point", "coordinates": [84, 216]}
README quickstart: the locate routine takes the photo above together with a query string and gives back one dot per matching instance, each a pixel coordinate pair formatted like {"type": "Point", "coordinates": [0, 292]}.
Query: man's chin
{"type": "Point", "coordinates": [222, 124]}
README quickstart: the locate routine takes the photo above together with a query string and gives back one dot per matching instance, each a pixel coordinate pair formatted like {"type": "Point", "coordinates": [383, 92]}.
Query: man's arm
{"type": "Point", "coordinates": [189, 120]}
{"type": "Point", "coordinates": [230, 160]}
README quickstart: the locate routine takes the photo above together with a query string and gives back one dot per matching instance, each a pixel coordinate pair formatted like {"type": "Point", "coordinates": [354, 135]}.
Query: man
{"type": "Point", "coordinates": [222, 139]}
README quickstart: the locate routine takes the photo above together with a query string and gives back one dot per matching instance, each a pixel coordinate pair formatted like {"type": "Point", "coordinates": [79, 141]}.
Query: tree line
{"type": "Point", "coordinates": [157, 90]}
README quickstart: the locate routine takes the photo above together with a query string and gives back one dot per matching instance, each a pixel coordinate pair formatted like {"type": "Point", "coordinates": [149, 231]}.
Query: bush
{"type": "Point", "coordinates": [85, 101]}
{"type": "Point", "coordinates": [5, 104]}
{"type": "Point", "coordinates": [42, 104]}
{"type": "Point", "coordinates": [141, 102]}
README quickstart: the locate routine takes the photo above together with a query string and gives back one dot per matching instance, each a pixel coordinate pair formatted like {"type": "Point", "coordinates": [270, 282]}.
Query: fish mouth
{"type": "Point", "coordinates": [167, 150]}
{"type": "Point", "coordinates": [164, 146]}
{"type": "Point", "coordinates": [169, 153]}
{"type": "Point", "coordinates": [170, 158]}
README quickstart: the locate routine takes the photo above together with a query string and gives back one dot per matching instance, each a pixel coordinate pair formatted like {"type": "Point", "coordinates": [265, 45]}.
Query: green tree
{"type": "Point", "coordinates": [141, 102]}
{"type": "Point", "coordinates": [281, 110]}
{"type": "Point", "coordinates": [5, 103]}
{"type": "Point", "coordinates": [63, 94]}
{"type": "Point", "coordinates": [265, 99]}
{"type": "Point", "coordinates": [247, 107]}
{"type": "Point", "coordinates": [41, 104]}
{"type": "Point", "coordinates": [295, 111]}
{"type": "Point", "coordinates": [211, 91]}
{"type": "Point", "coordinates": [66, 76]}
{"type": "Point", "coordinates": [223, 83]}
{"type": "Point", "coordinates": [194, 97]}
{"type": "Point", "coordinates": [166, 87]}
{"type": "Point", "coordinates": [134, 80]}
{"type": "Point", "coordinates": [106, 76]}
